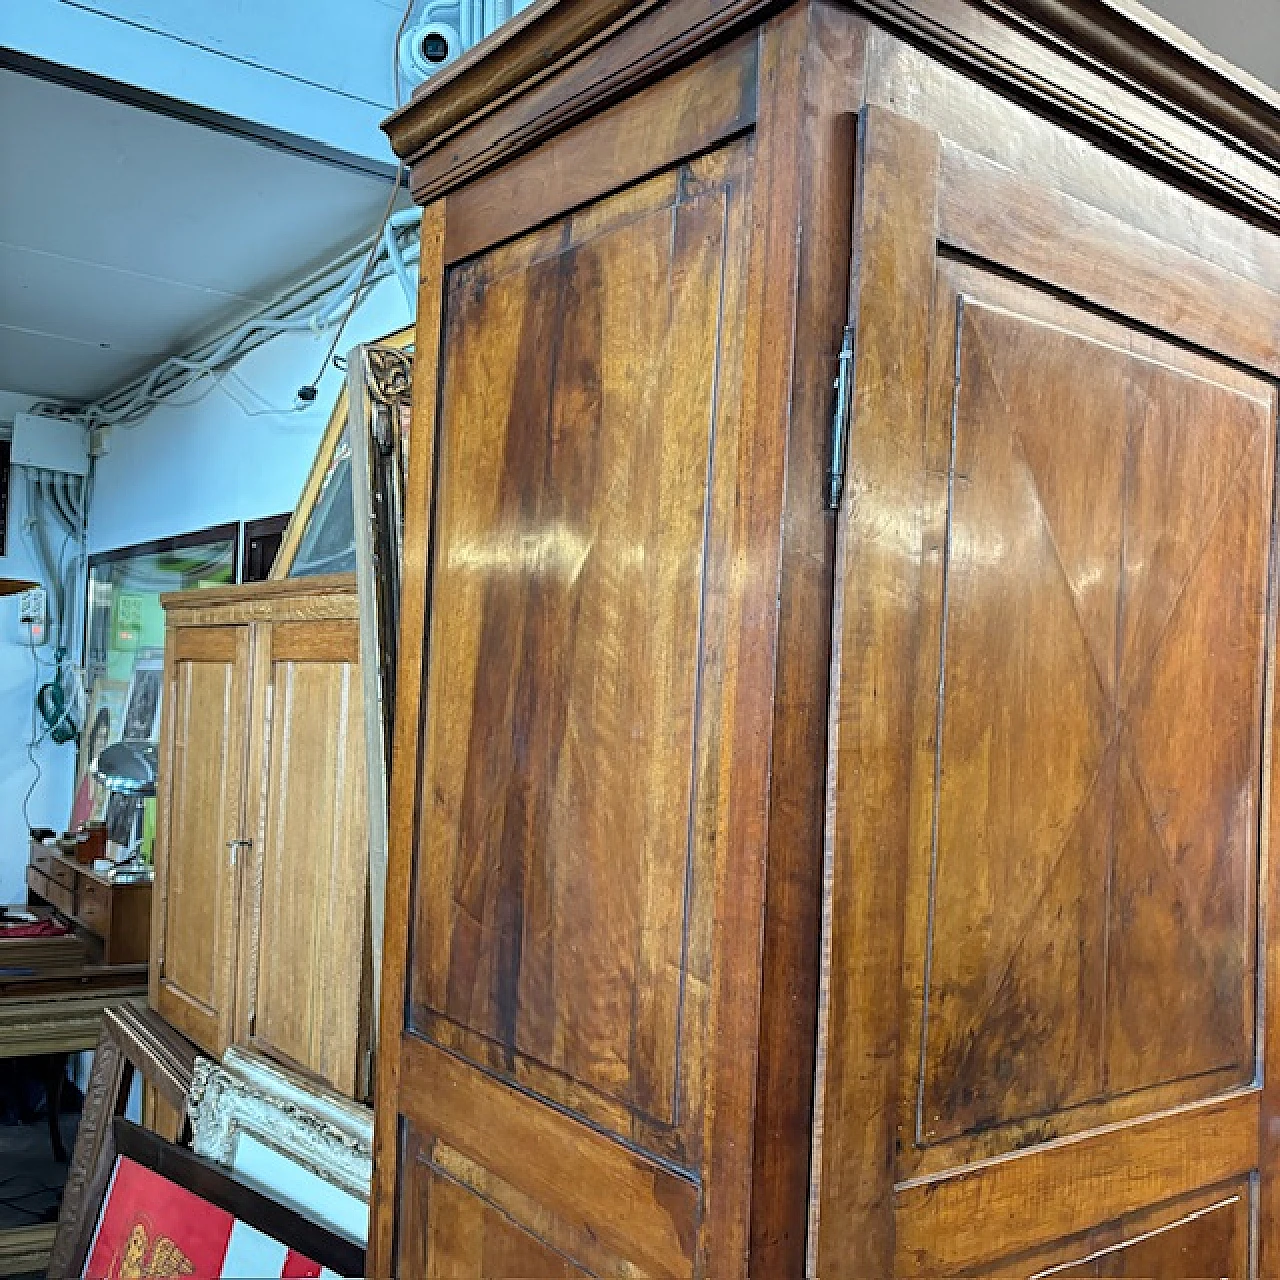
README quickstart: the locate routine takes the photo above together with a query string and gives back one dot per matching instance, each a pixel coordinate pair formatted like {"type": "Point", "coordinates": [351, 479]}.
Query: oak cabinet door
{"type": "Point", "coordinates": [569, 888]}
{"type": "Point", "coordinates": [1049, 799]}
{"type": "Point", "coordinates": [305, 941]}
{"type": "Point", "coordinates": [201, 826]}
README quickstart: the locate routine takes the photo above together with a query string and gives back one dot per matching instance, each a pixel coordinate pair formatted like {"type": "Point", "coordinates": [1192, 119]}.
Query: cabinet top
{"type": "Point", "coordinates": [272, 591]}
{"type": "Point", "coordinates": [603, 50]}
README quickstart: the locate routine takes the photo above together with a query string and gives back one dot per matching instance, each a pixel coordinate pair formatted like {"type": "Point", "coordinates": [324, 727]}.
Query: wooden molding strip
{"type": "Point", "coordinates": [1070, 1185]}
{"type": "Point", "coordinates": [249, 592]}
{"type": "Point", "coordinates": [1157, 54]}
{"type": "Point", "coordinates": [562, 40]}
{"type": "Point", "coordinates": [645, 1213]}
{"type": "Point", "coordinates": [1203, 99]}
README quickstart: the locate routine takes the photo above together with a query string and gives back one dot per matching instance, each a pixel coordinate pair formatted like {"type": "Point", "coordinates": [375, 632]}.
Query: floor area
{"type": "Point", "coordinates": [30, 1178]}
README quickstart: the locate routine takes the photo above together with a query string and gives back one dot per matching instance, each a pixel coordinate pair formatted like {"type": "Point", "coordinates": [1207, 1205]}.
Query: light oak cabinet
{"type": "Point", "coordinates": [260, 931]}
{"type": "Point", "coordinates": [830, 824]}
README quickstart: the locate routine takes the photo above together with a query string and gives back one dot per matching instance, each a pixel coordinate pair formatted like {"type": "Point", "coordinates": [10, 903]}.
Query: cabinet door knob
{"type": "Point", "coordinates": [234, 847]}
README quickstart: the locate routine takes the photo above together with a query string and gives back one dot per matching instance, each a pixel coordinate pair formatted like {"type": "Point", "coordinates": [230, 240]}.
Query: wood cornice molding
{"type": "Point", "coordinates": [527, 49]}
{"type": "Point", "coordinates": [1159, 56]}
{"type": "Point", "coordinates": [551, 39]}
{"type": "Point", "coordinates": [1223, 126]}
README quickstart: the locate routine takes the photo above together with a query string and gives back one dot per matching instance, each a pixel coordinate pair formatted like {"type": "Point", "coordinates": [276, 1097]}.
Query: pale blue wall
{"type": "Point", "coordinates": [51, 801]}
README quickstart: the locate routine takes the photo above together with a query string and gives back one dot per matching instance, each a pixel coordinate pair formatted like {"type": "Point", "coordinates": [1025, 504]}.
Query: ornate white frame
{"type": "Point", "coordinates": [314, 1128]}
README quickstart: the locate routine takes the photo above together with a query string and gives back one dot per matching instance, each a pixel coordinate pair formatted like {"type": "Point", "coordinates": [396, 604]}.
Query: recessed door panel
{"type": "Point", "coordinates": [1041, 1041]}
{"type": "Point", "coordinates": [204, 761]}
{"type": "Point", "coordinates": [564, 939]}
{"type": "Point", "coordinates": [1094, 847]}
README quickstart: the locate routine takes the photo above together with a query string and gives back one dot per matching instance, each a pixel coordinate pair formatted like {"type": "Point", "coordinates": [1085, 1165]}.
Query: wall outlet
{"type": "Point", "coordinates": [32, 605]}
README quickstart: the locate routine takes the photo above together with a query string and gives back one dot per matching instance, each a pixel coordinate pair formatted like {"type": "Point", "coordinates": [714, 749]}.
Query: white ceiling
{"type": "Point", "coordinates": [125, 233]}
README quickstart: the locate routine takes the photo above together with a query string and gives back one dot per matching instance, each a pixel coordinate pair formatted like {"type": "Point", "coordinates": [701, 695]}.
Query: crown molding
{"type": "Point", "coordinates": [1097, 62]}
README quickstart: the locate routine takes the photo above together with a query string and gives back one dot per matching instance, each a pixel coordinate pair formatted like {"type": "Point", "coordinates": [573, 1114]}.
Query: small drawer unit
{"type": "Point", "coordinates": [118, 914]}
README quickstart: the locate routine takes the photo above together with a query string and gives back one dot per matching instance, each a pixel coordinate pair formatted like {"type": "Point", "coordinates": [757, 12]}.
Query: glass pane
{"type": "Point", "coordinates": [328, 543]}
{"type": "Point", "coordinates": [124, 659]}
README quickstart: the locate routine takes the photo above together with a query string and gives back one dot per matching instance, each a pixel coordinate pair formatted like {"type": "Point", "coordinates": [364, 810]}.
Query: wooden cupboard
{"type": "Point", "coordinates": [260, 933]}
{"type": "Point", "coordinates": [831, 794]}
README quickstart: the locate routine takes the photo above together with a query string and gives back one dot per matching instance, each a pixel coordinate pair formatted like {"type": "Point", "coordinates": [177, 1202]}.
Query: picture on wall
{"type": "Point", "coordinates": [103, 726]}
{"type": "Point", "coordinates": [142, 712]}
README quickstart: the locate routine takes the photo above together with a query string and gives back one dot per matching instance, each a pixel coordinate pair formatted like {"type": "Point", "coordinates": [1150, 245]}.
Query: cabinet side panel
{"type": "Point", "coordinates": [600, 584]}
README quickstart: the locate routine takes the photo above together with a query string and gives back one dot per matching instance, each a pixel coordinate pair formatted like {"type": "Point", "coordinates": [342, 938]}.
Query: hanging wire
{"type": "Point", "coordinates": [307, 392]}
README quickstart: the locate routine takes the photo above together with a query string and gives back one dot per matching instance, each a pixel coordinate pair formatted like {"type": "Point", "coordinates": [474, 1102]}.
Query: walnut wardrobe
{"type": "Point", "coordinates": [831, 790]}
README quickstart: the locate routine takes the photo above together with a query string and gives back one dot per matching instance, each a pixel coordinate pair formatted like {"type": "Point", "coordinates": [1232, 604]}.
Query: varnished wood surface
{"type": "Point", "coordinates": [1062, 1190]}
{"type": "Point", "coordinates": [1204, 1234]}
{"type": "Point", "coordinates": [1049, 659]}
{"type": "Point", "coordinates": [878, 560]}
{"type": "Point", "coordinates": [1107, 67]}
{"type": "Point", "coordinates": [1079, 913]}
{"type": "Point", "coordinates": [695, 109]}
{"type": "Point", "coordinates": [640, 1214]}
{"type": "Point", "coordinates": [992, 213]}
{"type": "Point", "coordinates": [196, 897]}
{"type": "Point", "coordinates": [1103, 67]}
{"type": "Point", "coordinates": [406, 753]}
{"type": "Point", "coordinates": [1012, 135]}
{"type": "Point", "coordinates": [1069, 778]}
{"type": "Point", "coordinates": [573, 60]}
{"type": "Point", "coordinates": [560, 753]}
{"type": "Point", "coordinates": [823, 117]}
{"type": "Point", "coordinates": [585, 945]}
{"type": "Point", "coordinates": [266, 750]}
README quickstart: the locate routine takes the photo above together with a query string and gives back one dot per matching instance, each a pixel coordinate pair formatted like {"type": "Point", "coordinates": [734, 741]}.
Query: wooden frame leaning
{"type": "Point", "coordinates": [313, 1147]}
{"type": "Point", "coordinates": [379, 391]}
{"type": "Point", "coordinates": [320, 468]}
{"type": "Point", "coordinates": [132, 1038]}
{"type": "Point", "coordinates": [214, 1185]}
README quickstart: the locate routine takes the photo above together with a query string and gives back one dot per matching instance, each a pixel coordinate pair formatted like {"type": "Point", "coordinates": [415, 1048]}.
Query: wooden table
{"type": "Point", "coordinates": [56, 1010]}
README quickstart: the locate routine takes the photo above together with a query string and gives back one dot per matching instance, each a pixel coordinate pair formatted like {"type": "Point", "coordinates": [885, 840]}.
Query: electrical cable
{"type": "Point", "coordinates": [310, 305]}
{"type": "Point", "coordinates": [309, 390]}
{"type": "Point", "coordinates": [36, 738]}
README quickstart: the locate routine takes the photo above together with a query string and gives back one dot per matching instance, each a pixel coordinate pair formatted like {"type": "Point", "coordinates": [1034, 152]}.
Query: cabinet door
{"type": "Point", "coordinates": [200, 823]}
{"type": "Point", "coordinates": [1042, 1040]}
{"type": "Point", "coordinates": [306, 951]}
{"type": "Point", "coordinates": [574, 921]}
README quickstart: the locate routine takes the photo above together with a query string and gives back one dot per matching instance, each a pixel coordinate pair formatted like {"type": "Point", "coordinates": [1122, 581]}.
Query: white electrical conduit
{"type": "Point", "coordinates": [315, 304]}
{"type": "Point", "coordinates": [52, 492]}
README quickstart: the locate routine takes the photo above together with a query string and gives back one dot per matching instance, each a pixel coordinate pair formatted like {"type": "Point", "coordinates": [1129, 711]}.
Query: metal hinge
{"type": "Point", "coordinates": [840, 420]}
